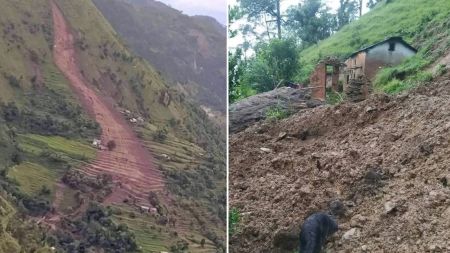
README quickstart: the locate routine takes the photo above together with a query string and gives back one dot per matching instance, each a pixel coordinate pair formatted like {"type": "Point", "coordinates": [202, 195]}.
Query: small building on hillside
{"type": "Point", "coordinates": [355, 75]}
{"type": "Point", "coordinates": [368, 61]}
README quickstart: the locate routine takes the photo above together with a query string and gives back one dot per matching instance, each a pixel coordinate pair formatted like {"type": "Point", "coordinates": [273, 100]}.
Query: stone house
{"type": "Point", "coordinates": [354, 76]}
{"type": "Point", "coordinates": [366, 62]}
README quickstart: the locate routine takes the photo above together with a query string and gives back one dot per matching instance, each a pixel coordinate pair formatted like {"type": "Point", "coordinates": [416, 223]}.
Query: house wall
{"type": "Point", "coordinates": [355, 66]}
{"type": "Point", "coordinates": [380, 56]}
{"type": "Point", "coordinates": [317, 82]}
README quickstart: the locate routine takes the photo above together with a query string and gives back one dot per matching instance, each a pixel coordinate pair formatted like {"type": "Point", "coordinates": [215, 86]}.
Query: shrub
{"type": "Point", "coordinates": [276, 113]}
{"type": "Point", "coordinates": [334, 97]}
{"type": "Point", "coordinates": [111, 145]}
{"type": "Point", "coordinates": [160, 135]}
{"type": "Point", "coordinates": [441, 70]}
{"type": "Point", "coordinates": [13, 81]}
{"type": "Point", "coordinates": [233, 220]}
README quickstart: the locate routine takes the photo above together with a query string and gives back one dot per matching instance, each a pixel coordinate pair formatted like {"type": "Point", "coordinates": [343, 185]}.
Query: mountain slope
{"type": "Point", "coordinates": [190, 51]}
{"type": "Point", "coordinates": [45, 130]}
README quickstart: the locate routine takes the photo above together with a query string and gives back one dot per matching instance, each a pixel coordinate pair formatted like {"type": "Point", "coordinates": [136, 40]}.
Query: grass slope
{"type": "Point", "coordinates": [415, 20]}
{"type": "Point", "coordinates": [72, 148]}
{"type": "Point", "coordinates": [32, 178]}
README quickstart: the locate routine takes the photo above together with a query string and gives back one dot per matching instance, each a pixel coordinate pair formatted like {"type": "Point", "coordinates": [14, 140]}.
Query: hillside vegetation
{"type": "Point", "coordinates": [46, 136]}
{"type": "Point", "coordinates": [189, 51]}
{"type": "Point", "coordinates": [422, 23]}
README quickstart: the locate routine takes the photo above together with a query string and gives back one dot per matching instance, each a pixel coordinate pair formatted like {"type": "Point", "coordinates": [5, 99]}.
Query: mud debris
{"type": "Point", "coordinates": [383, 150]}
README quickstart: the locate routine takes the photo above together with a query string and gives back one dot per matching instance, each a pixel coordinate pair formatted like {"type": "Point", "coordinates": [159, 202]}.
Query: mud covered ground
{"type": "Point", "coordinates": [382, 166]}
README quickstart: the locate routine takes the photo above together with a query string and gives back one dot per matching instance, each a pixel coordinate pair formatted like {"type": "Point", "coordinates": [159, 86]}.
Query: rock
{"type": "Point", "coordinates": [305, 189]}
{"type": "Point", "coordinates": [389, 207]}
{"type": "Point", "coordinates": [370, 109]}
{"type": "Point", "coordinates": [349, 203]}
{"type": "Point", "coordinates": [281, 136]}
{"type": "Point", "coordinates": [267, 150]}
{"type": "Point", "coordinates": [364, 248]}
{"type": "Point", "coordinates": [350, 234]}
{"type": "Point", "coordinates": [357, 220]}
{"type": "Point", "coordinates": [250, 110]}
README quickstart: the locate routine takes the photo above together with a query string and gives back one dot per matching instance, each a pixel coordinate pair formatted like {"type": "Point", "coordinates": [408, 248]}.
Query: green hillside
{"type": "Point", "coordinates": [187, 50]}
{"type": "Point", "coordinates": [422, 23]}
{"type": "Point", "coordinates": [45, 133]}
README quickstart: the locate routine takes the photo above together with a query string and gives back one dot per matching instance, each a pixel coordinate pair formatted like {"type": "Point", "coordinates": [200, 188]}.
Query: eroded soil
{"type": "Point", "coordinates": [382, 166]}
{"type": "Point", "coordinates": [129, 163]}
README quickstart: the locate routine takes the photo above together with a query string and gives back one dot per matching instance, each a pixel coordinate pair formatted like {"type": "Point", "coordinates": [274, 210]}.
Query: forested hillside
{"type": "Point", "coordinates": [189, 51]}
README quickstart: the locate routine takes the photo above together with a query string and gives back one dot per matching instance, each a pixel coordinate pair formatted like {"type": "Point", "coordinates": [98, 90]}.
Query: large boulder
{"type": "Point", "coordinates": [253, 109]}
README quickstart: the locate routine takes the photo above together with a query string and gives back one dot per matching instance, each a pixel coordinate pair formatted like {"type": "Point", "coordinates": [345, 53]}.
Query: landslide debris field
{"type": "Point", "coordinates": [129, 163]}
{"type": "Point", "coordinates": [381, 166]}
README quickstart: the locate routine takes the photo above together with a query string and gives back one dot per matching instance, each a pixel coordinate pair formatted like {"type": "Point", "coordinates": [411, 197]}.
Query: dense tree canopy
{"type": "Point", "coordinates": [275, 63]}
{"type": "Point", "coordinates": [311, 21]}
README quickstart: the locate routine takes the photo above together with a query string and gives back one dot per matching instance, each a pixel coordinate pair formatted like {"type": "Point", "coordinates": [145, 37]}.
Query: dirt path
{"type": "Point", "coordinates": [130, 163]}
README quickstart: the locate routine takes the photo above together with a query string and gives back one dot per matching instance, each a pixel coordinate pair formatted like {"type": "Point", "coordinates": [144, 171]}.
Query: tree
{"type": "Point", "coordinates": [275, 63]}
{"type": "Point", "coordinates": [261, 8]}
{"type": "Point", "coordinates": [347, 12]}
{"type": "Point", "coordinates": [234, 14]}
{"type": "Point", "coordinates": [235, 72]}
{"type": "Point", "coordinates": [311, 21]}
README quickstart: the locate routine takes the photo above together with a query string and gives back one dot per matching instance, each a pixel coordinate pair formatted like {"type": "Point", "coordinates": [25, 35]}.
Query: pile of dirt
{"type": "Point", "coordinates": [381, 166]}
{"type": "Point", "coordinates": [247, 111]}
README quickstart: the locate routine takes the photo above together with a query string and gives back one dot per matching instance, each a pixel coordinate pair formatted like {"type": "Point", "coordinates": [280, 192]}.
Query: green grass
{"type": "Point", "coordinates": [334, 97]}
{"type": "Point", "coordinates": [234, 219]}
{"type": "Point", "coordinates": [33, 177]}
{"type": "Point", "coordinates": [15, 53]}
{"type": "Point", "coordinates": [69, 201]}
{"type": "Point", "coordinates": [73, 149]}
{"type": "Point", "coordinates": [420, 22]}
{"type": "Point", "coordinates": [276, 113]}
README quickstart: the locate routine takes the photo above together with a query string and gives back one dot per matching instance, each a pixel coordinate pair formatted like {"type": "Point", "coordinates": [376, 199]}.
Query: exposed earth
{"type": "Point", "coordinates": [129, 162]}
{"type": "Point", "coordinates": [381, 166]}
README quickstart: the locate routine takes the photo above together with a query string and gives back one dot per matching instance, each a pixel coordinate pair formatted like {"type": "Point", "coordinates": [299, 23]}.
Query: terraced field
{"type": "Point", "coordinates": [73, 149]}
{"type": "Point", "coordinates": [154, 238]}
{"type": "Point", "coordinates": [32, 178]}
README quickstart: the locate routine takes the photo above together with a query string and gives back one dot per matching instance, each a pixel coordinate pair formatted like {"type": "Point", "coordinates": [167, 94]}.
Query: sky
{"type": "Point", "coordinates": [214, 8]}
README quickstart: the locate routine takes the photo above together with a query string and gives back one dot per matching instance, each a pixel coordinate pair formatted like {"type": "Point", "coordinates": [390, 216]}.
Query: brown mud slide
{"type": "Point", "coordinates": [129, 163]}
{"type": "Point", "coordinates": [382, 166]}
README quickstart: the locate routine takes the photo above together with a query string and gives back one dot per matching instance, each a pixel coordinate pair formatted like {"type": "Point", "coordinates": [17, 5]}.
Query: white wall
{"type": "Point", "coordinates": [382, 53]}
